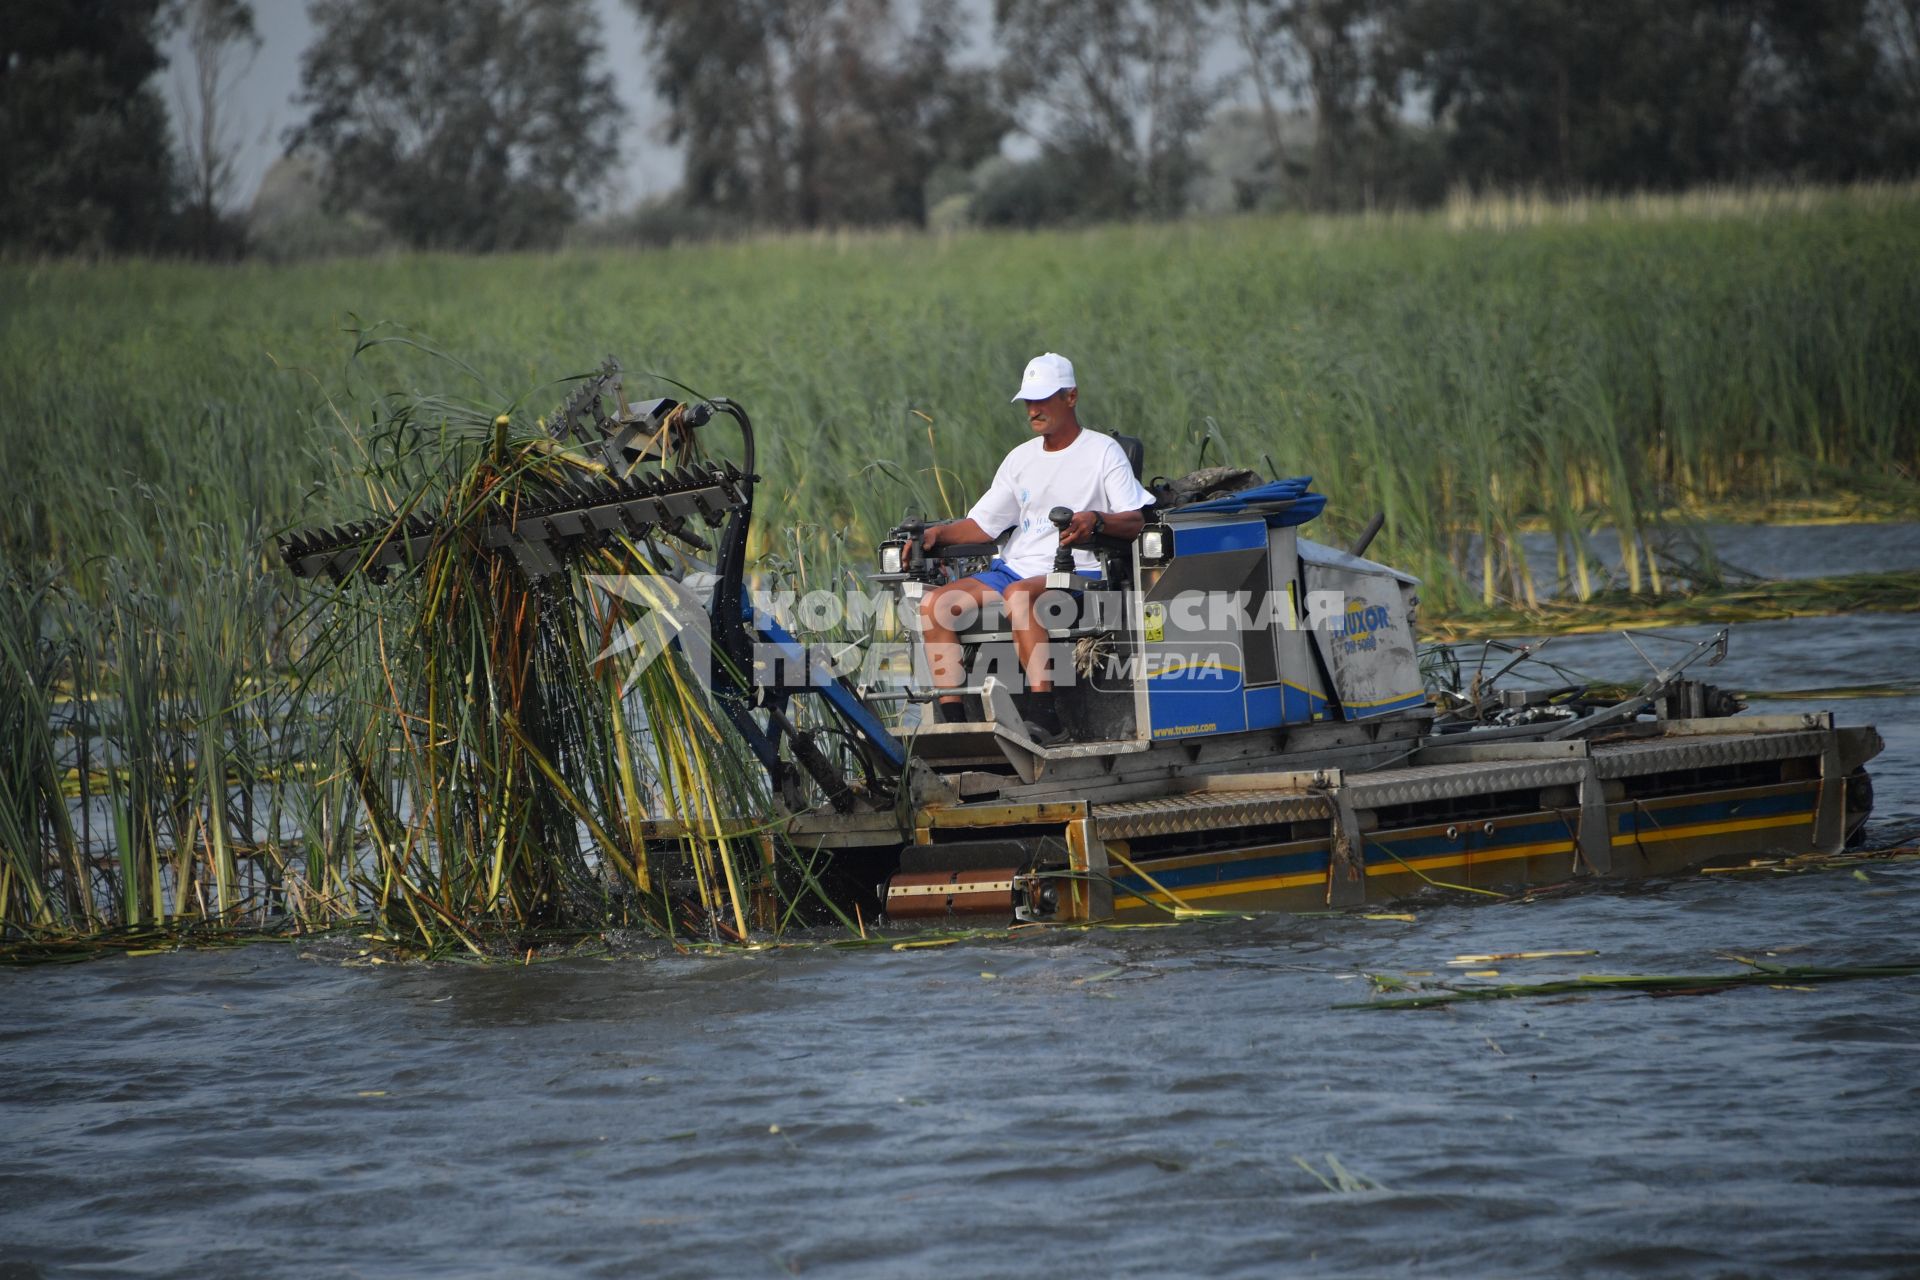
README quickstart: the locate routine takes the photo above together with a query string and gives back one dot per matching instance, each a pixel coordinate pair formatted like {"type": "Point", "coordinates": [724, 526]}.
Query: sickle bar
{"type": "Point", "coordinates": [542, 534]}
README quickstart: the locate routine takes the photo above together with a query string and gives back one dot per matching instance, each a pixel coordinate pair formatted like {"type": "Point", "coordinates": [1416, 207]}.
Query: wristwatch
{"type": "Point", "coordinates": [1099, 523]}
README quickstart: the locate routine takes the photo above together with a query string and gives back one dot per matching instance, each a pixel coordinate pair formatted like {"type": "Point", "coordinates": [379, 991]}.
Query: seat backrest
{"type": "Point", "coordinates": [1136, 454]}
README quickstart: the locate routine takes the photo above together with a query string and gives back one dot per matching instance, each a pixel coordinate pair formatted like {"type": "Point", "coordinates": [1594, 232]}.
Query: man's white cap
{"type": "Point", "coordinates": [1045, 375]}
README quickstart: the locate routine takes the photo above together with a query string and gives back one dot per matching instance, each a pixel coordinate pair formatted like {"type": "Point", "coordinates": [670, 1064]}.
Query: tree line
{"type": "Point", "coordinates": [493, 124]}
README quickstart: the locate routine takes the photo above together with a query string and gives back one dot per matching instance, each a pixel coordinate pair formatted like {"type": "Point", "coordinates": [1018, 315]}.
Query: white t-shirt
{"type": "Point", "coordinates": [1091, 474]}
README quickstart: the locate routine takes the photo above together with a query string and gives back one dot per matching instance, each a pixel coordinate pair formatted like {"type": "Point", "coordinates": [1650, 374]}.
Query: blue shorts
{"type": "Point", "coordinates": [998, 576]}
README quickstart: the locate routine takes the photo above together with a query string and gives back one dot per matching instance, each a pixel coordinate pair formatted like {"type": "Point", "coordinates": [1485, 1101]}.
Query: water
{"type": "Point", "coordinates": [1765, 551]}
{"type": "Point", "coordinates": [1116, 1102]}
{"type": "Point", "coordinates": [1110, 1102]}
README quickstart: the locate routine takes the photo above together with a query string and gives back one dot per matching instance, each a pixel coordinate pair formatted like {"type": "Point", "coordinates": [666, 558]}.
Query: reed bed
{"type": "Point", "coordinates": [190, 740]}
{"type": "Point", "coordinates": [1470, 381]}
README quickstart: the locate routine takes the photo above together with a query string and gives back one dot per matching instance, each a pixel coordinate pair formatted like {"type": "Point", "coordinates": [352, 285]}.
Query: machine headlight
{"type": "Point", "coordinates": [1155, 544]}
{"type": "Point", "coordinates": [890, 557]}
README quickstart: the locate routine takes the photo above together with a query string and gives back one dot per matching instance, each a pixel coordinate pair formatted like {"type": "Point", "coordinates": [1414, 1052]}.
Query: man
{"type": "Point", "coordinates": [1063, 465]}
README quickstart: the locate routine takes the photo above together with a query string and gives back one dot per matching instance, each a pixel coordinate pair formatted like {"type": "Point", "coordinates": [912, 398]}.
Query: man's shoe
{"type": "Point", "coordinates": [1042, 719]}
{"type": "Point", "coordinates": [1040, 735]}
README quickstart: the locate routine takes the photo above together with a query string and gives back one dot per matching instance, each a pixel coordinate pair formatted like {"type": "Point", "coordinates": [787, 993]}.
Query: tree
{"type": "Point", "coordinates": [1896, 29]}
{"type": "Point", "coordinates": [221, 43]}
{"type": "Point", "coordinates": [464, 124]}
{"type": "Point", "coordinates": [1626, 94]}
{"type": "Point", "coordinates": [905, 113]}
{"type": "Point", "coordinates": [1896, 25]}
{"type": "Point", "coordinates": [1329, 53]}
{"type": "Point", "coordinates": [816, 112]}
{"type": "Point", "coordinates": [1113, 91]}
{"type": "Point", "coordinates": [83, 134]}
{"type": "Point", "coordinates": [1830, 85]}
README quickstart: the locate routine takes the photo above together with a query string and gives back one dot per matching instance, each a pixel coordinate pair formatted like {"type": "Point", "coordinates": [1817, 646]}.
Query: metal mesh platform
{"type": "Point", "coordinates": [1205, 811]}
{"type": "Point", "coordinates": [1383, 788]}
{"type": "Point", "coordinates": [1653, 755]}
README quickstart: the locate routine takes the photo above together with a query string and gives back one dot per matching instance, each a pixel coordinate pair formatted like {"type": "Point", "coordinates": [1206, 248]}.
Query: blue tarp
{"type": "Point", "coordinates": [1305, 506]}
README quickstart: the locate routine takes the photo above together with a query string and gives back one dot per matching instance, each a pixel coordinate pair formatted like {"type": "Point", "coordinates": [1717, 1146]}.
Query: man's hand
{"type": "Point", "coordinates": [1079, 529]}
{"type": "Point", "coordinates": [1113, 524]}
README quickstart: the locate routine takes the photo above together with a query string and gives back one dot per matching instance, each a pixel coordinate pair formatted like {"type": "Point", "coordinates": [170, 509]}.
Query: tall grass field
{"type": "Point", "coordinates": [1596, 369]}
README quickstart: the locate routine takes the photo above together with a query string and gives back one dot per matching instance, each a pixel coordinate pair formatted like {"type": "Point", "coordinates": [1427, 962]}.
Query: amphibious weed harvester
{"type": "Point", "coordinates": [1247, 723]}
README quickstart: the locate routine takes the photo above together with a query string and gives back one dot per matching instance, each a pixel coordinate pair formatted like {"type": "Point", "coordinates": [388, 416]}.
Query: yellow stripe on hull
{"type": "Point", "coordinates": [1407, 866]}
{"type": "Point", "coordinates": [1125, 901]}
{"type": "Point", "coordinates": [1441, 861]}
{"type": "Point", "coordinates": [1714, 828]}
{"type": "Point", "coordinates": [1381, 702]}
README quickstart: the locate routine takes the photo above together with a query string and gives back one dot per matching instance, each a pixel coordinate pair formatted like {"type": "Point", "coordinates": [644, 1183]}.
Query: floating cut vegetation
{"type": "Point", "coordinates": [192, 741]}
{"type": "Point", "coordinates": [1892, 591]}
{"type": "Point", "coordinates": [1760, 973]}
{"type": "Point", "coordinates": [1338, 1177]}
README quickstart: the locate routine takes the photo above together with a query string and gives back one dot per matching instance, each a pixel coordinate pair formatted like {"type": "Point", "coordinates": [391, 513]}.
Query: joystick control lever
{"type": "Point", "coordinates": [1062, 573]}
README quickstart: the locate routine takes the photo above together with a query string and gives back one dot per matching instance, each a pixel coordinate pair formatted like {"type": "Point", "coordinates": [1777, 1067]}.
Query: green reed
{"type": "Point", "coordinates": [43, 873]}
{"type": "Point", "coordinates": [146, 725]}
{"type": "Point", "coordinates": [1598, 369]}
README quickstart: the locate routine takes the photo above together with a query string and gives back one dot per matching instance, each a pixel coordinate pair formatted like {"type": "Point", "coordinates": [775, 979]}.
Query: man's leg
{"type": "Point", "coordinates": [1030, 611]}
{"type": "Point", "coordinates": [941, 613]}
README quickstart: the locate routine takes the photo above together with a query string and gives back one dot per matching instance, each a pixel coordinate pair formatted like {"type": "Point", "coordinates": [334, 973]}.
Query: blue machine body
{"type": "Point", "coordinates": [1247, 626]}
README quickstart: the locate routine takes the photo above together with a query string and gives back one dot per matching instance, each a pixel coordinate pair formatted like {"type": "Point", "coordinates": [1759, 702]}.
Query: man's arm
{"type": "Point", "coordinates": [960, 532]}
{"type": "Point", "coordinates": [1113, 524]}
